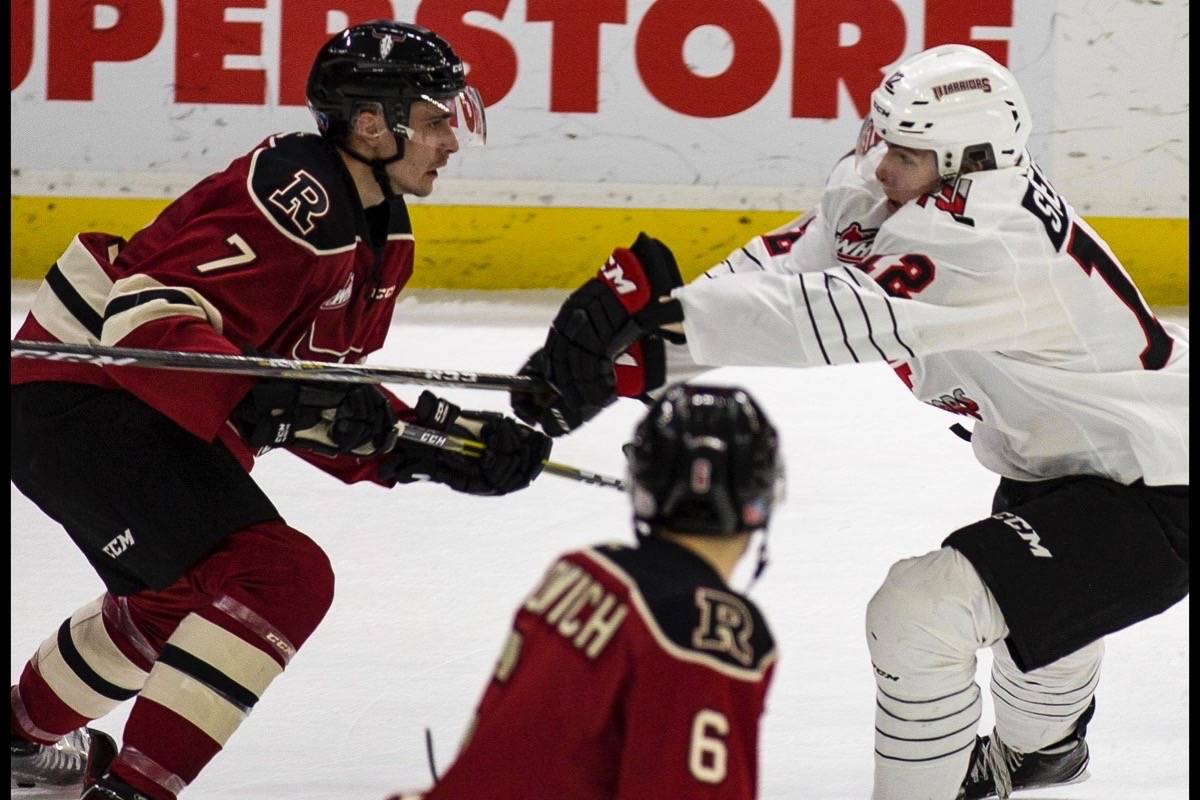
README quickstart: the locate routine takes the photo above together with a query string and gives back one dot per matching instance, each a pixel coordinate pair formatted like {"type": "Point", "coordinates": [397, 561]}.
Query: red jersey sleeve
{"type": "Point", "coordinates": [273, 255]}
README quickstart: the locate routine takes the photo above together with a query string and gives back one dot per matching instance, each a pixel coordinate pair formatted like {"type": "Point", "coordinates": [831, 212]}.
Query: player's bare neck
{"type": "Point", "coordinates": [369, 193]}
{"type": "Point", "coordinates": [721, 552]}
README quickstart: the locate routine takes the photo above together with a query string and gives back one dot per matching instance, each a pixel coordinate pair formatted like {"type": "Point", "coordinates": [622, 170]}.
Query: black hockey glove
{"type": "Point", "coordinates": [604, 342]}
{"type": "Point", "coordinates": [327, 417]}
{"type": "Point", "coordinates": [547, 409]}
{"type": "Point", "coordinates": [512, 459]}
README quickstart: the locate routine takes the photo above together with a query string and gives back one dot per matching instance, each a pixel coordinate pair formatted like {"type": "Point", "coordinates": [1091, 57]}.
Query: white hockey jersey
{"type": "Point", "coordinates": [992, 299]}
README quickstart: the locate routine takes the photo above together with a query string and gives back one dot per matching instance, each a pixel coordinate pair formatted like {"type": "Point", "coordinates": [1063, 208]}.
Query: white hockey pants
{"type": "Point", "coordinates": [923, 627]}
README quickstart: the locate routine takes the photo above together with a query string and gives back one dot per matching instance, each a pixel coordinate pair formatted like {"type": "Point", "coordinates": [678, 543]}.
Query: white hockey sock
{"type": "Point", "coordinates": [84, 667]}
{"type": "Point", "coordinates": [1035, 709]}
{"type": "Point", "coordinates": [923, 628]}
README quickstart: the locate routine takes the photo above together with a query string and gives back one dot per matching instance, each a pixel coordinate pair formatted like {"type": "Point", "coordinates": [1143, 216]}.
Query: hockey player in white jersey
{"type": "Point", "coordinates": [940, 247]}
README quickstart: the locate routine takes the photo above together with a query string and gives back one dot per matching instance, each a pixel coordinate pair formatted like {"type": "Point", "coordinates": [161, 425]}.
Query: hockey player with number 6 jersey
{"type": "Point", "coordinates": [637, 672]}
{"type": "Point", "coordinates": [941, 248]}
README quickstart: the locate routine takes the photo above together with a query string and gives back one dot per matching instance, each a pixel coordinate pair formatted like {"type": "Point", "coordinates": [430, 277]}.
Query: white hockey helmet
{"type": "Point", "coordinates": [954, 100]}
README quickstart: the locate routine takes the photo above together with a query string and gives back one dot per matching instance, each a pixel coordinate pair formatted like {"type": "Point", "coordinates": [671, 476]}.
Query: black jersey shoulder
{"type": "Point", "coordinates": [398, 219]}
{"type": "Point", "coordinates": [388, 220]}
{"type": "Point", "coordinates": [301, 185]}
{"type": "Point", "coordinates": [692, 606]}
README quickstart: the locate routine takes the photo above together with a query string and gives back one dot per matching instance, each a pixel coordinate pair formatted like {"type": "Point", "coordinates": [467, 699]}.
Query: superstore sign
{"type": "Point", "coordinates": [803, 42]}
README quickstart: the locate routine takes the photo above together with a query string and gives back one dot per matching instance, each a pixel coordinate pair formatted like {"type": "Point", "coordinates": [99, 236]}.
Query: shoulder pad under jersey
{"type": "Point", "coordinates": [299, 183]}
{"type": "Point", "coordinates": [695, 614]}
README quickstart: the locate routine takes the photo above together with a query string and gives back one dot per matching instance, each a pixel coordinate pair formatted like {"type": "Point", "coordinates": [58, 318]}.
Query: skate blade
{"type": "Point", "coordinates": [44, 792]}
{"type": "Point", "coordinates": [1080, 778]}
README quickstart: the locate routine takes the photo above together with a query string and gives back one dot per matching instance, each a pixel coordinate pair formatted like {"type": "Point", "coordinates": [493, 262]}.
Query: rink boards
{"type": "Point", "coordinates": [535, 242]}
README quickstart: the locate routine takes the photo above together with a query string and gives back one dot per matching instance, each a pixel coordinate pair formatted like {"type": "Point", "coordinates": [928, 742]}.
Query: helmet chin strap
{"type": "Point", "coordinates": [761, 566]}
{"type": "Point", "coordinates": [378, 165]}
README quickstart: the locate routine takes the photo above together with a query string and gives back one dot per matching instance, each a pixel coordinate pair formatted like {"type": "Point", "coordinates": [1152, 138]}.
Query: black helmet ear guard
{"type": "Point", "coordinates": [704, 460]}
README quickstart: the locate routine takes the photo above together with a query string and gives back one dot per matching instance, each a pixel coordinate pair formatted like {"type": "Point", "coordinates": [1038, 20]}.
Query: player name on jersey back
{"type": "Point", "coordinates": [569, 591]}
{"type": "Point", "coordinates": [678, 600]}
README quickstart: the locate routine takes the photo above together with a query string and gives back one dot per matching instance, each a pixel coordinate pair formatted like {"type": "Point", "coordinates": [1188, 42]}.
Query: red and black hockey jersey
{"type": "Point", "coordinates": [275, 254]}
{"type": "Point", "coordinates": [629, 674]}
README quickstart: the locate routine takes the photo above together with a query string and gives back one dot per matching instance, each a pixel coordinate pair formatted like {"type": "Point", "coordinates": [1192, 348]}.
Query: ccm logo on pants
{"type": "Point", "coordinates": [1025, 531]}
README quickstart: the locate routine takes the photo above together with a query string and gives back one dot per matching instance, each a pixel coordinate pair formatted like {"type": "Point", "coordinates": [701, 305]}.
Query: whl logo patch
{"type": "Point", "coordinates": [342, 297]}
{"type": "Point", "coordinates": [854, 243]}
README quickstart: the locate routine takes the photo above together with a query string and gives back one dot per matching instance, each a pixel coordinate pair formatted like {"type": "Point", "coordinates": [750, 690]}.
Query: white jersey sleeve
{"type": "Point", "coordinates": [886, 311]}
{"type": "Point", "coordinates": [805, 244]}
{"type": "Point", "coordinates": [991, 299]}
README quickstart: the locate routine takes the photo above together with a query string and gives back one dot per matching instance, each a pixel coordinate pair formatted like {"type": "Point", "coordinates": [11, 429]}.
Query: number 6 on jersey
{"type": "Point", "coordinates": [706, 756]}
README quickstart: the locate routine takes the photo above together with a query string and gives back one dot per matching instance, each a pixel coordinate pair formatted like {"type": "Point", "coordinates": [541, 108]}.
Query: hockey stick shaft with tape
{"type": "Point", "coordinates": [268, 367]}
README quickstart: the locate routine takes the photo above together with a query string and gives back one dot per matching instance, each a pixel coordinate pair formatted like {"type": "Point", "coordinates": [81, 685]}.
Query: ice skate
{"type": "Point", "coordinates": [60, 769]}
{"type": "Point", "coordinates": [997, 770]}
{"type": "Point", "coordinates": [109, 788]}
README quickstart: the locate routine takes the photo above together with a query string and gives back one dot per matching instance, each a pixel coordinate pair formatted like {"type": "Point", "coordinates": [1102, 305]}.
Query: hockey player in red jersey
{"type": "Point", "coordinates": [299, 248]}
{"type": "Point", "coordinates": [637, 672]}
{"type": "Point", "coordinates": [943, 249]}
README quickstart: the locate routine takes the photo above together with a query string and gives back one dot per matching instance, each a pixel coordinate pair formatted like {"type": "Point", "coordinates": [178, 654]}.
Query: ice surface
{"type": "Point", "coordinates": [427, 581]}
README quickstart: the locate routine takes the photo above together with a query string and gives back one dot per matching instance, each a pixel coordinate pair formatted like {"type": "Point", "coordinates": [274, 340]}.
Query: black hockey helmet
{"type": "Point", "coordinates": [705, 460]}
{"type": "Point", "coordinates": [393, 64]}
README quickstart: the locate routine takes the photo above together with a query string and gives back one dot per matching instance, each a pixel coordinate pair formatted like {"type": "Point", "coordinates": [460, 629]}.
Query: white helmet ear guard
{"type": "Point", "coordinates": [956, 101]}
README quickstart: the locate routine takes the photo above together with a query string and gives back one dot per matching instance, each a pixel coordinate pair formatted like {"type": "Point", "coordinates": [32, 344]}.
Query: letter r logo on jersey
{"type": "Point", "coordinates": [725, 625]}
{"type": "Point", "coordinates": [302, 200]}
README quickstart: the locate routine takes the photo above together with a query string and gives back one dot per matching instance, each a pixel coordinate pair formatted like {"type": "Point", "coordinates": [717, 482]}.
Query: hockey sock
{"type": "Point", "coordinates": [1038, 708]}
{"type": "Point", "coordinates": [923, 627]}
{"type": "Point", "coordinates": [271, 587]}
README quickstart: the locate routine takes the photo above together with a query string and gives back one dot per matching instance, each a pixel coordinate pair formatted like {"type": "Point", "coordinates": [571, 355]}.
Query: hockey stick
{"type": "Point", "coordinates": [263, 366]}
{"type": "Point", "coordinates": [469, 447]}
{"type": "Point", "coordinates": [313, 370]}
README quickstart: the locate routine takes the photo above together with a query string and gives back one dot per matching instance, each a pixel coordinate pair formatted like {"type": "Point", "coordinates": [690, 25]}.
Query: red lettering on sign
{"type": "Point", "coordinates": [20, 26]}
{"type": "Point", "coordinates": [822, 66]}
{"type": "Point", "coordinates": [202, 40]}
{"type": "Point", "coordinates": [303, 32]}
{"type": "Point", "coordinates": [820, 62]}
{"type": "Point", "coordinates": [76, 45]}
{"type": "Point", "coordinates": [575, 48]}
{"type": "Point", "coordinates": [950, 22]}
{"type": "Point", "coordinates": [490, 58]}
{"type": "Point", "coordinates": [756, 54]}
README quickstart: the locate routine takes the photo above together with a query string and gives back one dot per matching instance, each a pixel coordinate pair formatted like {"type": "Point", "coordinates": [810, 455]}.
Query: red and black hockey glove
{"type": "Point", "coordinates": [327, 417]}
{"type": "Point", "coordinates": [604, 342]}
{"type": "Point", "coordinates": [512, 457]}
